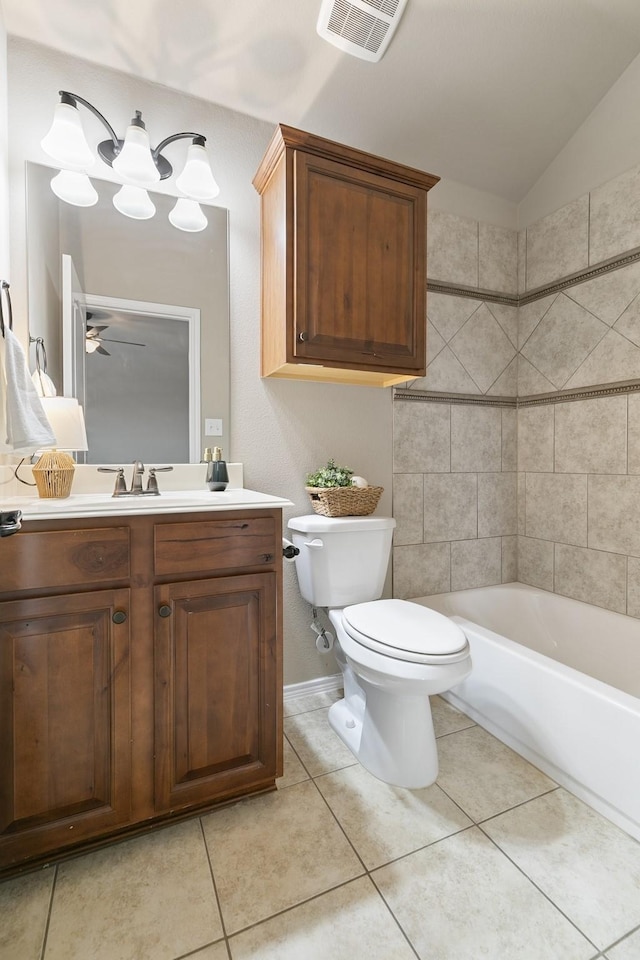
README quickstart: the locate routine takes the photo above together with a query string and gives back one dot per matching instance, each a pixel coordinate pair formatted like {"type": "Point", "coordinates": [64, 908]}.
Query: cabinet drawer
{"type": "Point", "coordinates": [41, 560]}
{"type": "Point", "coordinates": [214, 545]}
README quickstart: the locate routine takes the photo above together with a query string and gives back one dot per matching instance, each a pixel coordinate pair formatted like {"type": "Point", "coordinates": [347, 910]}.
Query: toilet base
{"type": "Point", "coordinates": [392, 737]}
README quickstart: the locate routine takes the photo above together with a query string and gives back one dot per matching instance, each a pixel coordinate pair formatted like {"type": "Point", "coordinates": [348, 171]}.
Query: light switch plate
{"type": "Point", "coordinates": [212, 428]}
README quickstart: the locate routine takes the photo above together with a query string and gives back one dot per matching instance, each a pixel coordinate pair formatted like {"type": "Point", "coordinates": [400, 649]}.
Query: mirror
{"type": "Point", "coordinates": [147, 284]}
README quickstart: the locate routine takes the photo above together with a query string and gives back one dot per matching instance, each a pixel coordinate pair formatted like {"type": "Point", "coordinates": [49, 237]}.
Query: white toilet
{"type": "Point", "coordinates": [393, 654]}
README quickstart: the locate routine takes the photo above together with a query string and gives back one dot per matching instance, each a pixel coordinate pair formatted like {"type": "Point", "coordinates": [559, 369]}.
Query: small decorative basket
{"type": "Point", "coordinates": [53, 474]}
{"type": "Point", "coordinates": [344, 501]}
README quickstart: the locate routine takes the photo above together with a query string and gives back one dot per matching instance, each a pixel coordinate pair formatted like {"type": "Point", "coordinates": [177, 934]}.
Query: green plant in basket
{"type": "Point", "coordinates": [330, 476]}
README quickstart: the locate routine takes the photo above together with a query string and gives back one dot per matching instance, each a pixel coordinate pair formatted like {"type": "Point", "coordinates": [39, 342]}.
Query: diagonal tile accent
{"type": "Point", "coordinates": [588, 867]}
{"type": "Point", "coordinates": [448, 313]}
{"type": "Point", "coordinates": [256, 873]}
{"type": "Point", "coordinates": [446, 373]}
{"type": "Point", "coordinates": [629, 323]}
{"type": "Point", "coordinates": [507, 383]}
{"type": "Point", "coordinates": [352, 921]}
{"type": "Point", "coordinates": [435, 343]}
{"type": "Point", "coordinates": [385, 822]}
{"type": "Point", "coordinates": [530, 315]}
{"type": "Point", "coordinates": [483, 348]}
{"type": "Point", "coordinates": [563, 339]}
{"type": "Point", "coordinates": [460, 899]}
{"type": "Point", "coordinates": [614, 358]}
{"type": "Point", "coordinates": [609, 295]}
{"type": "Point", "coordinates": [507, 317]}
{"type": "Point", "coordinates": [530, 380]}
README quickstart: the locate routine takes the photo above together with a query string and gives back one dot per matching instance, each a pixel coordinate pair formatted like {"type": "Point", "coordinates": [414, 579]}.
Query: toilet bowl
{"type": "Point", "coordinates": [393, 654]}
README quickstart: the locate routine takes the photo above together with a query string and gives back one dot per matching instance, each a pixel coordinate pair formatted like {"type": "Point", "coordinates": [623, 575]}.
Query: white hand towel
{"type": "Point", "coordinates": [27, 427]}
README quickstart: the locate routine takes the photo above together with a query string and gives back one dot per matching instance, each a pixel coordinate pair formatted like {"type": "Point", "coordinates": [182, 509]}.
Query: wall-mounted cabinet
{"type": "Point", "coordinates": [344, 263]}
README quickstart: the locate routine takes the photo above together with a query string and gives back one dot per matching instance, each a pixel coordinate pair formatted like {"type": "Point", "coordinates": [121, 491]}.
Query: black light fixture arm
{"type": "Point", "coordinates": [196, 137]}
{"type": "Point", "coordinates": [73, 99]}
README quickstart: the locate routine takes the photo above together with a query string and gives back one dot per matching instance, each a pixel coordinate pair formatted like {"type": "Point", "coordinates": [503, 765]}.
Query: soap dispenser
{"type": "Point", "coordinates": [217, 474]}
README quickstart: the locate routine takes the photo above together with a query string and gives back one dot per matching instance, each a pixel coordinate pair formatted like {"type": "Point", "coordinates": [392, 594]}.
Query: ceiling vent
{"type": "Point", "coordinates": [362, 28]}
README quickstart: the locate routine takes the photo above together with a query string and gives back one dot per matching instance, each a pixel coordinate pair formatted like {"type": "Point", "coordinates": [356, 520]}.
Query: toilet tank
{"type": "Point", "coordinates": [342, 560]}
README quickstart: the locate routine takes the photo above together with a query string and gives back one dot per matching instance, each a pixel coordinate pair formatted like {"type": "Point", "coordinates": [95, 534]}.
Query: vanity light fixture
{"type": "Point", "coordinates": [137, 163]}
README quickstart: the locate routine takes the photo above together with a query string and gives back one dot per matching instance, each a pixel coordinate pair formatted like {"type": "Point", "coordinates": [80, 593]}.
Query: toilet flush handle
{"type": "Point", "coordinates": [316, 544]}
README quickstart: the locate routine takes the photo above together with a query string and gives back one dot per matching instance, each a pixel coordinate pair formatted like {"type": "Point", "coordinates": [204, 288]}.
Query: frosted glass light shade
{"type": "Point", "coordinates": [67, 422]}
{"type": "Point", "coordinates": [65, 142]}
{"type": "Point", "coordinates": [134, 162]}
{"type": "Point", "coordinates": [134, 202]}
{"type": "Point", "coordinates": [187, 215]}
{"type": "Point", "coordinates": [75, 188]}
{"type": "Point", "coordinates": [196, 180]}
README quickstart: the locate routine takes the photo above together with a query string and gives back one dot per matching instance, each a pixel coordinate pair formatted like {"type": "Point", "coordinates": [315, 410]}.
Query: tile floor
{"type": "Point", "coordinates": [494, 861]}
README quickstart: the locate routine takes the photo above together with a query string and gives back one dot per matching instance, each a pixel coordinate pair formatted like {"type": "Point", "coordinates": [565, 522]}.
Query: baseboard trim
{"type": "Point", "coordinates": [319, 685]}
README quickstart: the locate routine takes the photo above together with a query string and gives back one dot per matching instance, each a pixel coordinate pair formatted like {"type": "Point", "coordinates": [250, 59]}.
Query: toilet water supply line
{"type": "Point", "coordinates": [324, 639]}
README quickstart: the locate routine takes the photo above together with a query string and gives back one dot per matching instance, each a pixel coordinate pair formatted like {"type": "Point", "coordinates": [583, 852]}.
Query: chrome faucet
{"type": "Point", "coordinates": [136, 490]}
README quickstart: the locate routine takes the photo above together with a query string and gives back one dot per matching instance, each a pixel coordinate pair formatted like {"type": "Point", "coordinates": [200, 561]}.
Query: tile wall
{"type": "Point", "coordinates": [576, 517]}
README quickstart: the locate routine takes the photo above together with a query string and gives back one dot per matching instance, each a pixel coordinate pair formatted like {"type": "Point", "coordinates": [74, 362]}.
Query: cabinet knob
{"type": "Point", "coordinates": [302, 336]}
{"type": "Point", "coordinates": [164, 610]}
{"type": "Point", "coordinates": [119, 616]}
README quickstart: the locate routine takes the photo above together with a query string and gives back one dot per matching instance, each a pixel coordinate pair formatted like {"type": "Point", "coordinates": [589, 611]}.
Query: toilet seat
{"type": "Point", "coordinates": [405, 631]}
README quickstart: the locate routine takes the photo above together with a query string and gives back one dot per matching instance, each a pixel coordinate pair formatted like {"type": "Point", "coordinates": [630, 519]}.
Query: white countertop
{"type": "Point", "coordinates": [171, 501]}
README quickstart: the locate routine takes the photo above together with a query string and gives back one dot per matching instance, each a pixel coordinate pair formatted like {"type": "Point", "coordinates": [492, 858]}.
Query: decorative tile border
{"type": "Point", "coordinates": [473, 399]}
{"type": "Point", "coordinates": [537, 399]}
{"type": "Point", "coordinates": [515, 300]}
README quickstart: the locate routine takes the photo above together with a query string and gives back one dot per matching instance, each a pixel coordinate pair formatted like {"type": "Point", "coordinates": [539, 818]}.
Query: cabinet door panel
{"type": "Point", "coordinates": [215, 688]}
{"type": "Point", "coordinates": [64, 721]}
{"type": "Point", "coordinates": [360, 275]}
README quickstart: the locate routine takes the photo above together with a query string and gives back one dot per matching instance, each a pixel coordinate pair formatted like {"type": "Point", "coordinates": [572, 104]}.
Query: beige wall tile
{"type": "Point", "coordinates": [522, 261]}
{"type": "Point", "coordinates": [591, 436]}
{"type": "Point", "coordinates": [608, 295]}
{"type": "Point", "coordinates": [509, 439]}
{"type": "Point", "coordinates": [420, 570]}
{"type": "Point", "coordinates": [557, 245]}
{"type": "Point", "coordinates": [497, 258]}
{"type": "Point", "coordinates": [509, 559]}
{"type": "Point", "coordinates": [530, 380]}
{"type": "Point", "coordinates": [615, 216]}
{"type": "Point", "coordinates": [522, 501]}
{"type": "Point", "coordinates": [633, 408]}
{"type": "Point", "coordinates": [421, 437]}
{"type": "Point", "coordinates": [476, 439]}
{"type": "Point", "coordinates": [476, 563]}
{"type": "Point", "coordinates": [614, 358]}
{"type": "Point", "coordinates": [507, 383]}
{"type": "Point", "coordinates": [447, 375]}
{"type": "Point", "coordinates": [497, 505]}
{"type": "Point", "coordinates": [628, 325]}
{"type": "Point", "coordinates": [407, 508]}
{"type": "Point", "coordinates": [450, 506]}
{"type": "Point", "coordinates": [535, 562]}
{"type": "Point", "coordinates": [563, 339]}
{"type": "Point", "coordinates": [592, 576]}
{"type": "Point", "coordinates": [535, 438]}
{"type": "Point", "coordinates": [452, 248]}
{"type": "Point", "coordinates": [614, 518]}
{"type": "Point", "coordinates": [507, 317]}
{"type": "Point", "coordinates": [556, 507]}
{"type": "Point", "coordinates": [483, 348]}
{"type": "Point", "coordinates": [530, 315]}
{"type": "Point", "coordinates": [435, 343]}
{"type": "Point", "coordinates": [448, 313]}
{"type": "Point", "coordinates": [633, 586]}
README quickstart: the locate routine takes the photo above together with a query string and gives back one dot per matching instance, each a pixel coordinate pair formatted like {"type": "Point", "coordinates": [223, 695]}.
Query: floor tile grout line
{"type": "Point", "coordinates": [621, 939]}
{"type": "Point", "coordinates": [521, 803]}
{"type": "Point", "coordinates": [538, 888]}
{"type": "Point", "coordinates": [396, 921]}
{"type": "Point", "coordinates": [205, 946]}
{"type": "Point", "coordinates": [45, 936]}
{"type": "Point", "coordinates": [213, 883]}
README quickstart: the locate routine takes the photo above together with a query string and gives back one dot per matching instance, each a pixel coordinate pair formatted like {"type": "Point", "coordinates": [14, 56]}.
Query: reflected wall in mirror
{"type": "Point", "coordinates": [120, 259]}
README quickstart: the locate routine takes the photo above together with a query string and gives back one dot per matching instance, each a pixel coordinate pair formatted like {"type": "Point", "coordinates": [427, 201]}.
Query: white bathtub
{"type": "Point", "coordinates": [558, 681]}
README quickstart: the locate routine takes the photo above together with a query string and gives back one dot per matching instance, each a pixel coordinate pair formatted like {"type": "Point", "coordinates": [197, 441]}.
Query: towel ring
{"type": "Point", "coordinates": [5, 298]}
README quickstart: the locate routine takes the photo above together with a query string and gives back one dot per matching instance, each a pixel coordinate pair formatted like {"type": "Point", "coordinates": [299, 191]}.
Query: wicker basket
{"type": "Point", "coordinates": [344, 501]}
{"type": "Point", "coordinates": [53, 474]}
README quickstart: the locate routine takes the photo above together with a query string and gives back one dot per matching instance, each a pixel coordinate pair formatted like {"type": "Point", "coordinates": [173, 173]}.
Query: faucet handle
{"type": "Point", "coordinates": [121, 485]}
{"type": "Point", "coordinates": [152, 482]}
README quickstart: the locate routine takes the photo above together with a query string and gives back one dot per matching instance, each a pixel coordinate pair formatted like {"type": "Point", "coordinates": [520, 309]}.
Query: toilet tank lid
{"type": "Point", "coordinates": [314, 523]}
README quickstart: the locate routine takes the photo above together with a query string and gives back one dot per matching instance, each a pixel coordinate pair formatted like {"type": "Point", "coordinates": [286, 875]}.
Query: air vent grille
{"type": "Point", "coordinates": [352, 26]}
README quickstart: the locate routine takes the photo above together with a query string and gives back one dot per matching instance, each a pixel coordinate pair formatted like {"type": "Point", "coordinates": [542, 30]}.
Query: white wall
{"type": "Point", "coordinates": [280, 430]}
{"type": "Point", "coordinates": [605, 145]}
{"type": "Point", "coordinates": [4, 160]}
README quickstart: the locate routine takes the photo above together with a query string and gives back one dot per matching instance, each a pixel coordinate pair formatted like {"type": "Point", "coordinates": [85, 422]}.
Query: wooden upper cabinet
{"type": "Point", "coordinates": [344, 263]}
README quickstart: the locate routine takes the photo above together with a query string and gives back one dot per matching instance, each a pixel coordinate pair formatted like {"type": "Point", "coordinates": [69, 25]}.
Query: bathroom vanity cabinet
{"type": "Point", "coordinates": [140, 674]}
{"type": "Point", "coordinates": [344, 263]}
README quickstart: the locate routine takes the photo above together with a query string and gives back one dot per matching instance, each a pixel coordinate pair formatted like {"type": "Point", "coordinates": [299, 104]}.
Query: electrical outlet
{"type": "Point", "coordinates": [212, 428]}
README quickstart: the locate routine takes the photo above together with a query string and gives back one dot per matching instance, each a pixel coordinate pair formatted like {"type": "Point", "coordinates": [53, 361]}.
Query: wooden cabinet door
{"type": "Point", "coordinates": [360, 267]}
{"type": "Point", "coordinates": [64, 721]}
{"type": "Point", "coordinates": [216, 688]}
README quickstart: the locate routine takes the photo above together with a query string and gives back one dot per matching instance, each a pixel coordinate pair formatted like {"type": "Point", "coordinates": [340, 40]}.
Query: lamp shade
{"type": "Point", "coordinates": [65, 142]}
{"type": "Point", "coordinates": [134, 202]}
{"type": "Point", "coordinates": [75, 188]}
{"type": "Point", "coordinates": [134, 162]}
{"type": "Point", "coordinates": [196, 180]}
{"type": "Point", "coordinates": [187, 215]}
{"type": "Point", "coordinates": [67, 422]}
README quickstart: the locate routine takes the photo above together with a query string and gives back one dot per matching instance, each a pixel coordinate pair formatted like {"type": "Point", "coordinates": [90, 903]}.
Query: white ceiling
{"type": "Point", "coordinates": [485, 92]}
